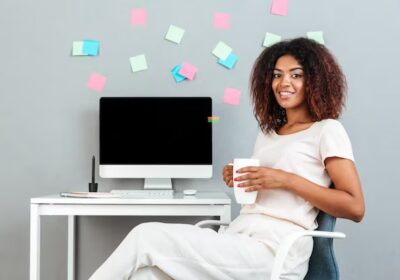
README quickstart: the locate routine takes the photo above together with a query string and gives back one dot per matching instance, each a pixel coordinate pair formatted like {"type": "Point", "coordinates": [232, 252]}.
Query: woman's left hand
{"type": "Point", "coordinates": [262, 178]}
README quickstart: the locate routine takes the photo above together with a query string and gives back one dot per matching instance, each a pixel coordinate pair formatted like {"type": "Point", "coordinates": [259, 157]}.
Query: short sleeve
{"type": "Point", "coordinates": [335, 142]}
{"type": "Point", "coordinates": [257, 144]}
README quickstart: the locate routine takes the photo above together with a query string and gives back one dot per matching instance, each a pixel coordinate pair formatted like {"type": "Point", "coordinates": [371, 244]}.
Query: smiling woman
{"type": "Point", "coordinates": [302, 68]}
{"type": "Point", "coordinates": [298, 93]}
{"type": "Point", "coordinates": [288, 83]}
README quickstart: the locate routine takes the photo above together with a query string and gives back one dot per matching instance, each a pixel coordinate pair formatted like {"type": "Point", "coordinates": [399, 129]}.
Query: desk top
{"type": "Point", "coordinates": [178, 198]}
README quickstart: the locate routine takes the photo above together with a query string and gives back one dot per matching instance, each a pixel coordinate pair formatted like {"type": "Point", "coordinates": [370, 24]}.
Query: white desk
{"type": "Point", "coordinates": [203, 204]}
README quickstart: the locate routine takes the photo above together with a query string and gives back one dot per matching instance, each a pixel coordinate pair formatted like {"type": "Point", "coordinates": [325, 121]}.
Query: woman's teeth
{"type": "Point", "coordinates": [285, 93]}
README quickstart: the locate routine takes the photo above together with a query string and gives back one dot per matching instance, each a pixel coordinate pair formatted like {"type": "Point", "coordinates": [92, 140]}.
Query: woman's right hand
{"type": "Point", "coordinates": [227, 174]}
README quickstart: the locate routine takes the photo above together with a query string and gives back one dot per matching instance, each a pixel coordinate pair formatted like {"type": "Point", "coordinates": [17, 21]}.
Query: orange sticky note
{"type": "Point", "coordinates": [96, 82]}
{"type": "Point", "coordinates": [232, 96]}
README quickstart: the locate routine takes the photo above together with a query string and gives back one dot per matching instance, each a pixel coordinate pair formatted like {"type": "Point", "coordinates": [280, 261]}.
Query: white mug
{"type": "Point", "coordinates": [241, 196]}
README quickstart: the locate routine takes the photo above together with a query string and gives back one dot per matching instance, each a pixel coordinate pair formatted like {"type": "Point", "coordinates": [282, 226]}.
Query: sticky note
{"type": "Point", "coordinates": [175, 73]}
{"type": "Point", "coordinates": [138, 63]}
{"type": "Point", "coordinates": [96, 82]}
{"type": "Point", "coordinates": [279, 7]}
{"type": "Point", "coordinates": [138, 16]}
{"type": "Point", "coordinates": [229, 62]}
{"type": "Point", "coordinates": [77, 48]}
{"type": "Point", "coordinates": [222, 50]}
{"type": "Point", "coordinates": [271, 39]}
{"type": "Point", "coordinates": [175, 34]}
{"type": "Point", "coordinates": [91, 47]}
{"type": "Point", "coordinates": [221, 20]}
{"type": "Point", "coordinates": [316, 36]}
{"type": "Point", "coordinates": [232, 96]}
{"type": "Point", "coordinates": [188, 71]}
{"type": "Point", "coordinates": [213, 119]}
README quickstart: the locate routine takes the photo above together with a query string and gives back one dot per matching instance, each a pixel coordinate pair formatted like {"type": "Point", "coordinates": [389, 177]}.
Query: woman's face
{"type": "Point", "coordinates": [288, 83]}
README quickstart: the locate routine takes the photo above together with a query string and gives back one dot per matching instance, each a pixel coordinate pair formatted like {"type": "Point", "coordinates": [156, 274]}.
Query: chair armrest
{"type": "Point", "coordinates": [287, 243]}
{"type": "Point", "coordinates": [206, 223]}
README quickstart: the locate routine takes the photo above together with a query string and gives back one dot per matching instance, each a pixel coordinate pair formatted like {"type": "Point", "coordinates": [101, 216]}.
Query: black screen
{"type": "Point", "coordinates": [155, 130]}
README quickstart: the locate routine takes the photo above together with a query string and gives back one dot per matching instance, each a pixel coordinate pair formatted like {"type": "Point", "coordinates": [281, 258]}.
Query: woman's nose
{"type": "Point", "coordinates": [285, 80]}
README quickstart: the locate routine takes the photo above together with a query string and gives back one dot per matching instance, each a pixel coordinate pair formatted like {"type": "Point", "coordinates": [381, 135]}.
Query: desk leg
{"type": "Point", "coordinates": [35, 243]}
{"type": "Point", "coordinates": [226, 216]}
{"type": "Point", "coordinates": [71, 247]}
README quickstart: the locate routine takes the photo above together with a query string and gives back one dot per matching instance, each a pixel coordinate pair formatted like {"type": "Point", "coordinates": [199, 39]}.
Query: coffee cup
{"type": "Point", "coordinates": [241, 196]}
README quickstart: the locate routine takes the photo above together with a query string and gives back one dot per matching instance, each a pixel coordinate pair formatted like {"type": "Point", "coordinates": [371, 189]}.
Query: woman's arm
{"type": "Point", "coordinates": [345, 201]}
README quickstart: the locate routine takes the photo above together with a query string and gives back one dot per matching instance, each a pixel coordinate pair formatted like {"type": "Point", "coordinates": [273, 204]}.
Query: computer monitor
{"type": "Point", "coordinates": [155, 138]}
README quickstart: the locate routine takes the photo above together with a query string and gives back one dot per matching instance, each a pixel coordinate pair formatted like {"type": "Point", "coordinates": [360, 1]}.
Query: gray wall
{"type": "Point", "coordinates": [48, 118]}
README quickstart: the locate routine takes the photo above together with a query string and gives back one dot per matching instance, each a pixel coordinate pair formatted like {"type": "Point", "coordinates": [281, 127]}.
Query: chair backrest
{"type": "Point", "coordinates": [323, 265]}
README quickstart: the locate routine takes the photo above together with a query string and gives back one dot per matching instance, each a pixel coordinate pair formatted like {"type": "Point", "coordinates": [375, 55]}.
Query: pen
{"type": "Point", "coordinates": [93, 170]}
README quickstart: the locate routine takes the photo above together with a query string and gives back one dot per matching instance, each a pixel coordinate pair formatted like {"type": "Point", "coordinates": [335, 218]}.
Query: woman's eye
{"type": "Point", "coordinates": [297, 76]}
{"type": "Point", "coordinates": [275, 76]}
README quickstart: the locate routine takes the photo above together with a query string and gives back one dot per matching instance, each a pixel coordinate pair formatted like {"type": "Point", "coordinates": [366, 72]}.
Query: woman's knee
{"type": "Point", "coordinates": [145, 232]}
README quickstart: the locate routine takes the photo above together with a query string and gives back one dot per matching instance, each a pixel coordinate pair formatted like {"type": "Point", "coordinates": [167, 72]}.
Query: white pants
{"type": "Point", "coordinates": [245, 250]}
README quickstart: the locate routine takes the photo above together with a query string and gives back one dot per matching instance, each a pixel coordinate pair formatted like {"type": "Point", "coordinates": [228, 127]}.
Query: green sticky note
{"type": "Point", "coordinates": [174, 34]}
{"type": "Point", "coordinates": [77, 48]}
{"type": "Point", "coordinates": [271, 39]}
{"type": "Point", "coordinates": [222, 50]}
{"type": "Point", "coordinates": [316, 36]}
{"type": "Point", "coordinates": [138, 63]}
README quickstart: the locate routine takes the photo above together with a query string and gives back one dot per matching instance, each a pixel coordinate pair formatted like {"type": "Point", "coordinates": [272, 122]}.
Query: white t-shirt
{"type": "Point", "coordinates": [302, 153]}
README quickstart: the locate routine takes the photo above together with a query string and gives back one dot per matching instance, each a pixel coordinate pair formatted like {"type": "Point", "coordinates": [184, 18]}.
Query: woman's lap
{"type": "Point", "coordinates": [187, 252]}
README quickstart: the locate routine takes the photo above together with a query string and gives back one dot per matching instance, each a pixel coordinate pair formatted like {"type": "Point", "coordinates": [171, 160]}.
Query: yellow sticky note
{"type": "Point", "coordinates": [175, 34]}
{"type": "Point", "coordinates": [271, 39]}
{"type": "Point", "coordinates": [138, 63]}
{"type": "Point", "coordinates": [77, 48]}
{"type": "Point", "coordinates": [222, 50]}
{"type": "Point", "coordinates": [316, 36]}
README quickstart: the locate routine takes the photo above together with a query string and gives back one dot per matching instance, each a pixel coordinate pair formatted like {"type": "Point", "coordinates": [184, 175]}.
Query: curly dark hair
{"type": "Point", "coordinates": [325, 84]}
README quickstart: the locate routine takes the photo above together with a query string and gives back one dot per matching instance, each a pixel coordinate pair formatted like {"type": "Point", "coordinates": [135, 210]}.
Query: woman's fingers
{"type": "Point", "coordinates": [250, 183]}
{"type": "Point", "coordinates": [247, 176]}
{"type": "Point", "coordinates": [227, 174]}
{"type": "Point", "coordinates": [253, 188]}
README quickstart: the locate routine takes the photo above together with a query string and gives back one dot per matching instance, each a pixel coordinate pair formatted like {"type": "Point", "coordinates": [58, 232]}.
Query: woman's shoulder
{"type": "Point", "coordinates": [332, 127]}
{"type": "Point", "coordinates": [330, 124]}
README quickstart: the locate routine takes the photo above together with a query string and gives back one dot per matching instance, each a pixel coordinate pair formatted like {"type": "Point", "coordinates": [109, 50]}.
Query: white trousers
{"type": "Point", "coordinates": [245, 250]}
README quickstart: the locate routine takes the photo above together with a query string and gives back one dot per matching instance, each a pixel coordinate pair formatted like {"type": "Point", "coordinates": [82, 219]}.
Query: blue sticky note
{"type": "Point", "coordinates": [175, 73]}
{"type": "Point", "coordinates": [229, 62]}
{"type": "Point", "coordinates": [91, 47]}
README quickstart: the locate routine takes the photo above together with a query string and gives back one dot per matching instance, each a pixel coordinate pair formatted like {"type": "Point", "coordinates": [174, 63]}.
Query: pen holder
{"type": "Point", "coordinates": [92, 187]}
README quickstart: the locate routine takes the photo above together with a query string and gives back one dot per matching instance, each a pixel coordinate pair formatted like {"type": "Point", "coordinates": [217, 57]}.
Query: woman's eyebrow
{"type": "Point", "coordinates": [292, 69]}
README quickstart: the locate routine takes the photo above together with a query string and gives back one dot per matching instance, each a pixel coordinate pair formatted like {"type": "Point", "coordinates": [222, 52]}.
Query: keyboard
{"type": "Point", "coordinates": [144, 193]}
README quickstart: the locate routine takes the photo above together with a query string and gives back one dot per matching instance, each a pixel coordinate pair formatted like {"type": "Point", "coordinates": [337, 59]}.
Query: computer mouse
{"type": "Point", "coordinates": [189, 192]}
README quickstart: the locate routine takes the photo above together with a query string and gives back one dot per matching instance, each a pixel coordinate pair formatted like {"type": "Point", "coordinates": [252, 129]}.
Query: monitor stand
{"type": "Point", "coordinates": [157, 184]}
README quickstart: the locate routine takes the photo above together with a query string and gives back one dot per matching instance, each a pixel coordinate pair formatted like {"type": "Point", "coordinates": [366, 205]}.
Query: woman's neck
{"type": "Point", "coordinates": [297, 117]}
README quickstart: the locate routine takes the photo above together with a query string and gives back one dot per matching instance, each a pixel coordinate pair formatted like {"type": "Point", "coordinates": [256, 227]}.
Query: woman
{"type": "Point", "coordinates": [298, 92]}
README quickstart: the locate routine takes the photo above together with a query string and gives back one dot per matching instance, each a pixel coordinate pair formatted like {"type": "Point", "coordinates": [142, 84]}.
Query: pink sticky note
{"type": "Point", "coordinates": [188, 71]}
{"type": "Point", "coordinates": [279, 7]}
{"type": "Point", "coordinates": [222, 20]}
{"type": "Point", "coordinates": [232, 96]}
{"type": "Point", "coordinates": [96, 81]}
{"type": "Point", "coordinates": [139, 16]}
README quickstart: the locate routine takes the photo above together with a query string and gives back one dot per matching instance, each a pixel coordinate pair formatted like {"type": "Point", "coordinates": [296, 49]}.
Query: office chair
{"type": "Point", "coordinates": [322, 264]}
